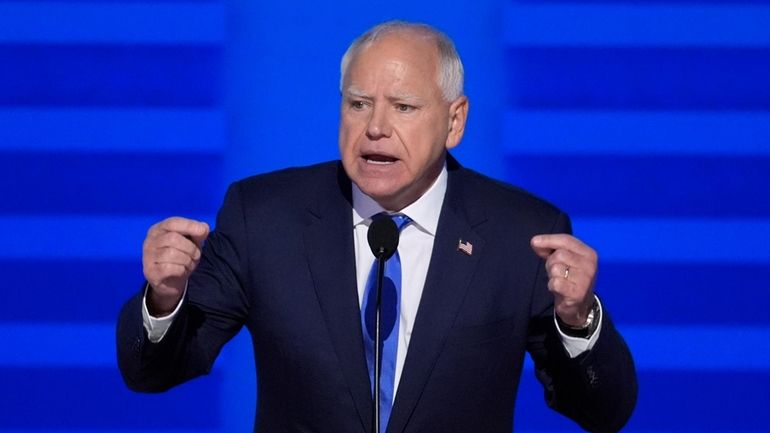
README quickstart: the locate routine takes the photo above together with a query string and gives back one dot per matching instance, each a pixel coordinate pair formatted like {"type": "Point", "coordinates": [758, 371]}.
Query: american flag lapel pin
{"type": "Point", "coordinates": [465, 247]}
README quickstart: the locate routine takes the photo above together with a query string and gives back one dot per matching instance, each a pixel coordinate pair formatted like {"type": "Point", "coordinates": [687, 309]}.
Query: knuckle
{"type": "Point", "coordinates": [166, 238]}
{"type": "Point", "coordinates": [559, 285]}
{"type": "Point", "coordinates": [149, 273]}
{"type": "Point", "coordinates": [593, 255]}
{"type": "Point", "coordinates": [554, 285]}
{"type": "Point", "coordinates": [170, 270]}
{"type": "Point", "coordinates": [164, 255]}
{"type": "Point", "coordinates": [559, 255]}
{"type": "Point", "coordinates": [163, 268]}
{"type": "Point", "coordinates": [150, 244]}
{"type": "Point", "coordinates": [170, 239]}
{"type": "Point", "coordinates": [591, 273]}
{"type": "Point", "coordinates": [553, 269]}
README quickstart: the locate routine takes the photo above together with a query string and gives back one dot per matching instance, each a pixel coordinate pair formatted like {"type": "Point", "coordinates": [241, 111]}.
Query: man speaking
{"type": "Point", "coordinates": [483, 272]}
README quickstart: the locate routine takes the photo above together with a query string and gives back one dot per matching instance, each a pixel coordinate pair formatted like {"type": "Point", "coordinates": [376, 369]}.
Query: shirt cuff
{"type": "Point", "coordinates": [576, 345]}
{"type": "Point", "coordinates": [157, 327]}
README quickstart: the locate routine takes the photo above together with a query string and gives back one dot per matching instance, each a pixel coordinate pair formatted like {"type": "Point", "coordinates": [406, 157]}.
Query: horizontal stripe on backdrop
{"type": "Point", "coordinates": [110, 75]}
{"type": "Point", "coordinates": [640, 24]}
{"type": "Point", "coordinates": [727, 241]}
{"type": "Point", "coordinates": [96, 398]}
{"type": "Point", "coordinates": [694, 186]}
{"type": "Point", "coordinates": [77, 237]}
{"type": "Point", "coordinates": [621, 78]}
{"type": "Point", "coordinates": [112, 130]}
{"type": "Point", "coordinates": [68, 290]}
{"type": "Point", "coordinates": [82, 183]}
{"type": "Point", "coordinates": [114, 22]}
{"type": "Point", "coordinates": [637, 132]}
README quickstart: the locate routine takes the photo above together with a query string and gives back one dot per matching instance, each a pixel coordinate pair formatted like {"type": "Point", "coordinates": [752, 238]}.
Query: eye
{"type": "Point", "coordinates": [404, 108]}
{"type": "Point", "coordinates": [357, 104]}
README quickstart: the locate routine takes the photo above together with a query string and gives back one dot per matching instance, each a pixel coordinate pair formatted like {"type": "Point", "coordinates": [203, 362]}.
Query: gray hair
{"type": "Point", "coordinates": [451, 75]}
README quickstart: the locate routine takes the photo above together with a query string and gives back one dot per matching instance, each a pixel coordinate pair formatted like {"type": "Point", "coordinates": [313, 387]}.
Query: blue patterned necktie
{"type": "Point", "coordinates": [391, 295]}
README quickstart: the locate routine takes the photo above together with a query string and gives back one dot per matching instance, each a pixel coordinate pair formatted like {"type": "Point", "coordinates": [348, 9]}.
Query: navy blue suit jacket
{"type": "Point", "coordinates": [281, 262]}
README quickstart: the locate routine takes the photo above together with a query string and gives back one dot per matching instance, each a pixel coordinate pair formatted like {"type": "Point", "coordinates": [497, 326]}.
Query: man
{"type": "Point", "coordinates": [488, 273]}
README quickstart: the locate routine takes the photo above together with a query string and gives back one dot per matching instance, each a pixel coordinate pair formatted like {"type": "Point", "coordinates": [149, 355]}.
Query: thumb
{"type": "Point", "coordinates": [198, 232]}
{"type": "Point", "coordinates": [543, 251]}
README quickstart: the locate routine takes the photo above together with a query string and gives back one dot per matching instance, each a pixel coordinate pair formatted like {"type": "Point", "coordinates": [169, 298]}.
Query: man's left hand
{"type": "Point", "coordinates": [571, 267]}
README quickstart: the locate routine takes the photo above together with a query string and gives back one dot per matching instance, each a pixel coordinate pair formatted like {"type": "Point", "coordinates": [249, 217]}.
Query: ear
{"type": "Point", "coordinates": [458, 114]}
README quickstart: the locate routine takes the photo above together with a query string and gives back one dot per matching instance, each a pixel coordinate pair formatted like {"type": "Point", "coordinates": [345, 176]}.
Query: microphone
{"type": "Point", "coordinates": [383, 240]}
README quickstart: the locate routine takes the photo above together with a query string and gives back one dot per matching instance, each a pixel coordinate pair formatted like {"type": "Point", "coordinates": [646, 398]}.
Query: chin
{"type": "Point", "coordinates": [377, 191]}
{"type": "Point", "coordinates": [386, 195]}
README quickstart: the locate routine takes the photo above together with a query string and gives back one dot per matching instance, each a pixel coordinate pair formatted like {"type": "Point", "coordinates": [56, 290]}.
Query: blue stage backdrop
{"type": "Point", "coordinates": [649, 122]}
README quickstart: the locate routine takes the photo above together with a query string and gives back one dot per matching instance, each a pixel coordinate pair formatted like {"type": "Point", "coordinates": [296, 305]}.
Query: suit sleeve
{"type": "Point", "coordinates": [598, 388]}
{"type": "Point", "coordinates": [213, 311]}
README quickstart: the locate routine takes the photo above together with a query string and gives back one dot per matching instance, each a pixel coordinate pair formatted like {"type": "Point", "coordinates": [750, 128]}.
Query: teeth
{"type": "Point", "coordinates": [379, 159]}
{"type": "Point", "coordinates": [372, 161]}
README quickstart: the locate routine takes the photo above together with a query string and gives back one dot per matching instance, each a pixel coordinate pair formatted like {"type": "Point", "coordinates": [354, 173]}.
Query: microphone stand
{"type": "Point", "coordinates": [377, 339]}
{"type": "Point", "coordinates": [383, 240]}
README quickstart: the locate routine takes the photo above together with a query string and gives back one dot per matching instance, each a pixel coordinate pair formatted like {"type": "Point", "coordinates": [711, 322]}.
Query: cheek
{"type": "Point", "coordinates": [422, 147]}
{"type": "Point", "coordinates": [347, 138]}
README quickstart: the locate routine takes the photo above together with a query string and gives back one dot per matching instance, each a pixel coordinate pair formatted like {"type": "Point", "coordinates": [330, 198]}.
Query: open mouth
{"type": "Point", "coordinates": [379, 159]}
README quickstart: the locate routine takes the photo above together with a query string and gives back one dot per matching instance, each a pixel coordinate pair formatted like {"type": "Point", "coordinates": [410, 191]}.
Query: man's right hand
{"type": "Point", "coordinates": [170, 253]}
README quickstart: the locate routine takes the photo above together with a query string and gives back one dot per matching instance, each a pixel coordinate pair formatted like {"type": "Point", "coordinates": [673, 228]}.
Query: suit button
{"type": "Point", "coordinates": [592, 377]}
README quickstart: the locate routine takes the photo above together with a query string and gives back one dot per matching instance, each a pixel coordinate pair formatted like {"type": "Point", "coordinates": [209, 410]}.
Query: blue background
{"type": "Point", "coordinates": [648, 121]}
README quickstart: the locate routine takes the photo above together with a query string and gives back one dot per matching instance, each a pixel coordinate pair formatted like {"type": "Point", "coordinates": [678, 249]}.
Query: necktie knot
{"type": "Point", "coordinates": [401, 220]}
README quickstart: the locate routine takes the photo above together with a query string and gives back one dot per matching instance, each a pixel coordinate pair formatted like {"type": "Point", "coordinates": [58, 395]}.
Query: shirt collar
{"type": "Point", "coordinates": [424, 212]}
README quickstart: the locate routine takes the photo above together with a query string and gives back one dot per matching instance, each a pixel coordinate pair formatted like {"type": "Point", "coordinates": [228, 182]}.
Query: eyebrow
{"type": "Point", "coordinates": [356, 92]}
{"type": "Point", "coordinates": [401, 96]}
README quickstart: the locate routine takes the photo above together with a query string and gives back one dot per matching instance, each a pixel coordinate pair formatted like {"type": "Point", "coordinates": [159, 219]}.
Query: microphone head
{"type": "Point", "coordinates": [383, 238]}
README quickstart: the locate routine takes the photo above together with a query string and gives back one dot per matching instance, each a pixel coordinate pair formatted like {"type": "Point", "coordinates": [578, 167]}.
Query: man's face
{"type": "Point", "coordinates": [395, 125]}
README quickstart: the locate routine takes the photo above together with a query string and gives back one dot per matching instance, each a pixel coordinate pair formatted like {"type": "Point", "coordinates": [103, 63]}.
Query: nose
{"type": "Point", "coordinates": [379, 124]}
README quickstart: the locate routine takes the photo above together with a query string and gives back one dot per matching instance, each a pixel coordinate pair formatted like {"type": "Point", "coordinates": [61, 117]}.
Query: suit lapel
{"type": "Point", "coordinates": [446, 284]}
{"type": "Point", "coordinates": [330, 253]}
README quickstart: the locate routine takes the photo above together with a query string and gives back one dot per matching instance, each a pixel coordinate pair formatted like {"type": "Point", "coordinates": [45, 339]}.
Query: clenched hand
{"type": "Point", "coordinates": [571, 267]}
{"type": "Point", "coordinates": [170, 253]}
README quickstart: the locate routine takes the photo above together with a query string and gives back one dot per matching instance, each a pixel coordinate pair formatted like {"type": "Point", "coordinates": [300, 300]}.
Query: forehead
{"type": "Point", "coordinates": [405, 58]}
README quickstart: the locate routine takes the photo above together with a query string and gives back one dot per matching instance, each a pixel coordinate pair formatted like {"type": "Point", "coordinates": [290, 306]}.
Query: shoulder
{"type": "Point", "coordinates": [501, 213]}
{"type": "Point", "coordinates": [289, 193]}
{"type": "Point", "coordinates": [294, 184]}
{"type": "Point", "coordinates": [496, 198]}
{"type": "Point", "coordinates": [292, 178]}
